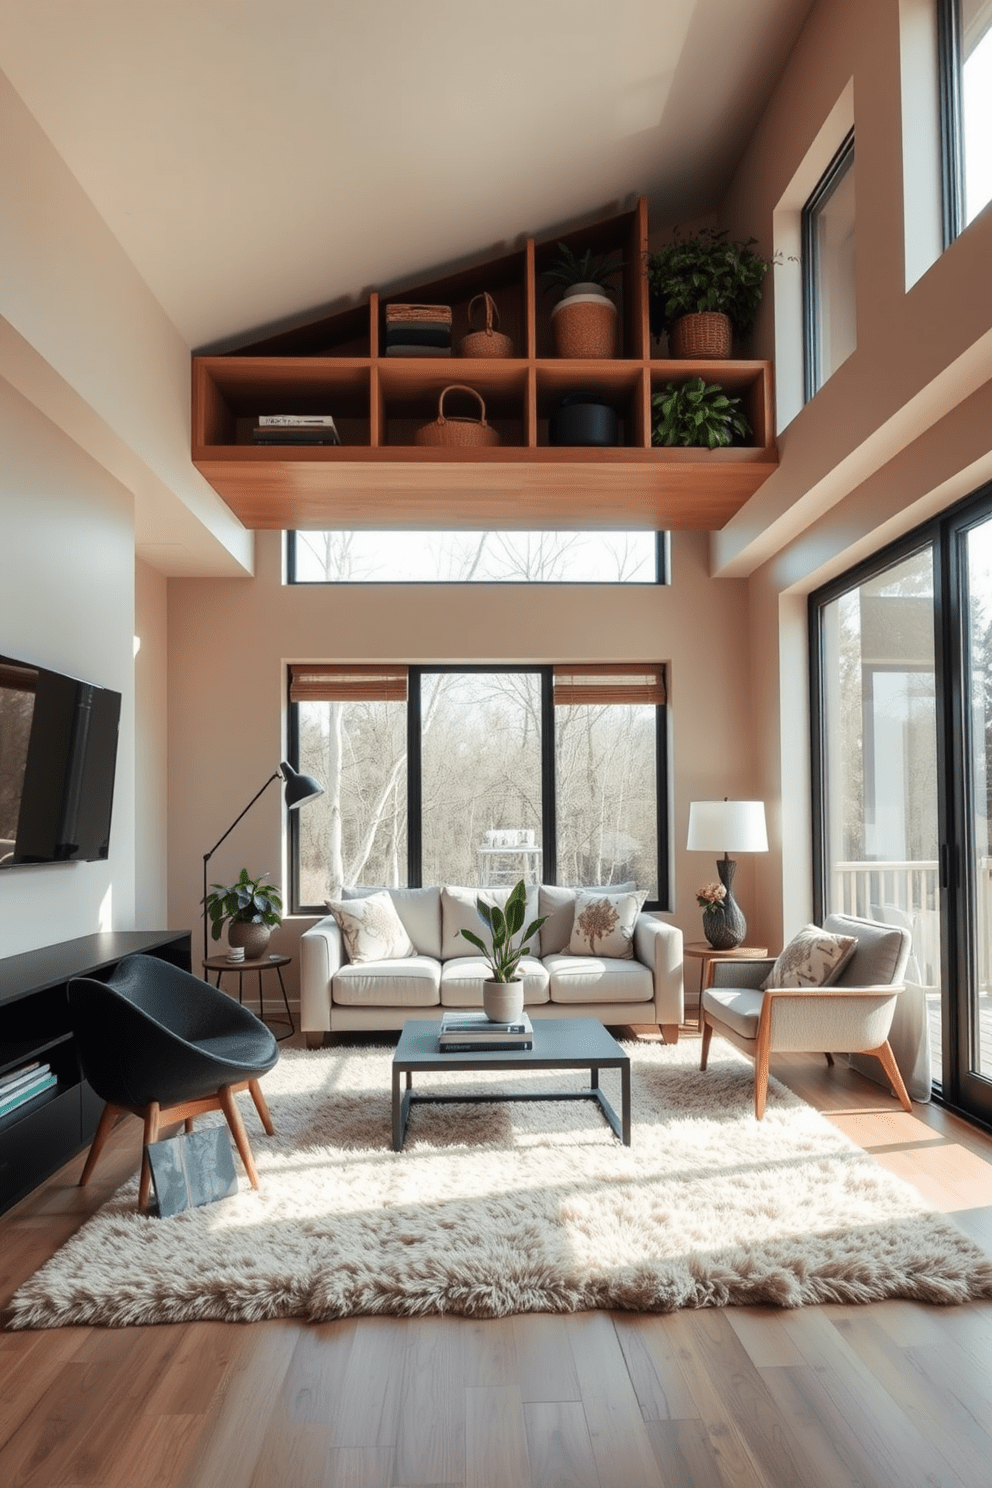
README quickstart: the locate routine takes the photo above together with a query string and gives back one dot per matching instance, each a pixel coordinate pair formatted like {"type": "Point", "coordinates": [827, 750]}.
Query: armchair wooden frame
{"type": "Point", "coordinates": [760, 1048]}
{"type": "Point", "coordinates": [154, 1117]}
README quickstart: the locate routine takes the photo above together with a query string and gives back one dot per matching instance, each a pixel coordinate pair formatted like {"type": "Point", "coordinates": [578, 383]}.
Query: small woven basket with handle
{"type": "Point", "coordinates": [458, 431]}
{"type": "Point", "coordinates": [489, 342]}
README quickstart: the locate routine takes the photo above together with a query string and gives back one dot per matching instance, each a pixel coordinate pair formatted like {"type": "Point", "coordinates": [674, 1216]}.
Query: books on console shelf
{"type": "Point", "coordinates": [408, 335]}
{"type": "Point", "coordinates": [419, 351]}
{"type": "Point", "coordinates": [295, 420]}
{"type": "Point", "coordinates": [28, 1083]}
{"type": "Point", "coordinates": [295, 434]}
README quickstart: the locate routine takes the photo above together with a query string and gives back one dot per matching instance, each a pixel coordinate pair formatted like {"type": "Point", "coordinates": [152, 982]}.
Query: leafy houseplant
{"type": "Point", "coordinates": [504, 953]}
{"type": "Point", "coordinates": [697, 413]}
{"type": "Point", "coordinates": [249, 907]}
{"type": "Point", "coordinates": [584, 320]}
{"type": "Point", "coordinates": [704, 273]}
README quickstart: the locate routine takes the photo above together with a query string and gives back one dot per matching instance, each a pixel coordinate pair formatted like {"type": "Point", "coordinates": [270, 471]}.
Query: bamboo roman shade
{"type": "Point", "coordinates": [610, 682]}
{"type": "Point", "coordinates": [327, 682]}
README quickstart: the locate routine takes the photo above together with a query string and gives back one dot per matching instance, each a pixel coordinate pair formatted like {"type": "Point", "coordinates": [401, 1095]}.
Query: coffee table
{"type": "Point", "coordinates": [559, 1044]}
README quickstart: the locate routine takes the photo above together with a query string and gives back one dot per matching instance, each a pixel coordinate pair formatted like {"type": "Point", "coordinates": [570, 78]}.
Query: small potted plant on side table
{"type": "Point", "coordinates": [503, 994]}
{"type": "Point", "coordinates": [249, 908]}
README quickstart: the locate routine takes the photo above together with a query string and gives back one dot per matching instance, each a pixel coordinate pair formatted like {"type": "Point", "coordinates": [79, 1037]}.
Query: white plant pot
{"type": "Point", "coordinates": [503, 1002]}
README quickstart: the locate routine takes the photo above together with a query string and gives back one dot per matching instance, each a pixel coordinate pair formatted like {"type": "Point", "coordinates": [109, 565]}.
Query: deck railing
{"type": "Point", "coordinates": [901, 893]}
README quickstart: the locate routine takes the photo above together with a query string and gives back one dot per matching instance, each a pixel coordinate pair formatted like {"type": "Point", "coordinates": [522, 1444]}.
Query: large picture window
{"type": "Point", "coordinates": [966, 109]}
{"type": "Point", "coordinates": [479, 776]}
{"type": "Point", "coordinates": [526, 557]}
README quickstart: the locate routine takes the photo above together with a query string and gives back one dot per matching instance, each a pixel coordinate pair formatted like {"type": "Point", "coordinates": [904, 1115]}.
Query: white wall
{"type": "Point", "coordinates": [150, 742]}
{"type": "Point", "coordinates": [67, 602]}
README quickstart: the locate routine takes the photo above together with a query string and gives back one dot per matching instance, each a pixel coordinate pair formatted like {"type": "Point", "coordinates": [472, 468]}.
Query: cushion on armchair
{"type": "Point", "coordinates": [813, 958]}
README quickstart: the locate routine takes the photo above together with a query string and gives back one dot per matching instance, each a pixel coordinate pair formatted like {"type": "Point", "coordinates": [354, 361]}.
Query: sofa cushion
{"type": "Point", "coordinates": [558, 903]}
{"type": "Point", "coordinates": [462, 979]}
{"type": "Point", "coordinates": [414, 982]}
{"type": "Point", "coordinates": [458, 912]}
{"type": "Point", "coordinates": [371, 928]}
{"type": "Point", "coordinates": [813, 958]}
{"type": "Point", "coordinates": [598, 979]}
{"type": "Point", "coordinates": [420, 911]}
{"type": "Point", "coordinates": [604, 925]}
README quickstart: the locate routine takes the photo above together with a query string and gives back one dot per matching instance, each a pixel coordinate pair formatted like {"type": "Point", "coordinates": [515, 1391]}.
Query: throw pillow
{"type": "Point", "coordinates": [557, 903]}
{"type": "Point", "coordinates": [372, 929]}
{"type": "Point", "coordinates": [813, 958]}
{"type": "Point", "coordinates": [604, 925]}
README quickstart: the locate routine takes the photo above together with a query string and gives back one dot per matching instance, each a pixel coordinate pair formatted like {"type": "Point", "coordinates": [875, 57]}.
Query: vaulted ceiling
{"type": "Point", "coordinates": [259, 160]}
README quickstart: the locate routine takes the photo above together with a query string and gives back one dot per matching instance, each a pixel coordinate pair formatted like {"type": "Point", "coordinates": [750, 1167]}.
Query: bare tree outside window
{"type": "Point", "coordinates": [441, 557]}
{"type": "Point", "coordinates": [606, 781]}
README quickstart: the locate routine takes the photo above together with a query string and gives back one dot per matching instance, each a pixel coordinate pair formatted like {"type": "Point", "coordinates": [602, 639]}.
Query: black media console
{"type": "Point", "coordinates": [41, 1135]}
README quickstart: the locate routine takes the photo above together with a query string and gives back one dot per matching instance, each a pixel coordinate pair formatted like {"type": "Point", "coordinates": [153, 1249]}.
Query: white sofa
{"type": "Point", "coordinates": [336, 994]}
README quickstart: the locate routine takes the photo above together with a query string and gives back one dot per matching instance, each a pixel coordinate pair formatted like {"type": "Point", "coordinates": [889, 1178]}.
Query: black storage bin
{"type": "Point", "coordinates": [583, 419]}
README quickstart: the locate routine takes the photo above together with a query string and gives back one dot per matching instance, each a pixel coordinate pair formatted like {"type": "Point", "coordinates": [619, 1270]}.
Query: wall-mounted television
{"type": "Point", "coordinates": [58, 758]}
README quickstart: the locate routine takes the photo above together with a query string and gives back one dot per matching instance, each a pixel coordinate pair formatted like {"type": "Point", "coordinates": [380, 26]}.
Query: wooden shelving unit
{"type": "Point", "coordinates": [377, 477]}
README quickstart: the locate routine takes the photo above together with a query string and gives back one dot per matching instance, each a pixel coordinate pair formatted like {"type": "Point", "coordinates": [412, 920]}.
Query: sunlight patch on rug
{"type": "Point", "coordinates": [526, 1207]}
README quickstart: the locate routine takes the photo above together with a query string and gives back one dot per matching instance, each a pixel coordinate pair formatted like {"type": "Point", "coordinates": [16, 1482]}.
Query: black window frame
{"type": "Point", "coordinates": [951, 128]}
{"type": "Point", "coordinates": [662, 572]}
{"type": "Point", "coordinates": [820, 195]}
{"type": "Point", "coordinates": [661, 903]}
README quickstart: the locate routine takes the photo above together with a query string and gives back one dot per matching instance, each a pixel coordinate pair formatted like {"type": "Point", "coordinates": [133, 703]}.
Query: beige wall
{"type": "Point", "coordinates": [904, 427]}
{"type": "Point", "coordinates": [150, 740]}
{"type": "Point", "coordinates": [67, 602]}
{"type": "Point", "coordinates": [230, 640]}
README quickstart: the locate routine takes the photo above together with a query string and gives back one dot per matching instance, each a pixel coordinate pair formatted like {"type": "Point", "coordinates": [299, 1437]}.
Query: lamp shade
{"type": "Point", "coordinates": [299, 788]}
{"type": "Point", "coordinates": [727, 826]}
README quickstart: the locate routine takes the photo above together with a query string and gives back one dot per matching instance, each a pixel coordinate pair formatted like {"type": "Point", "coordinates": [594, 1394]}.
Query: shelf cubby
{"type": "Point", "coordinates": [378, 476]}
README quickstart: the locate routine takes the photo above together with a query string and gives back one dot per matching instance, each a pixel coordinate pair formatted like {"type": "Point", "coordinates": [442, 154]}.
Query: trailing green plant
{"type": "Point", "coordinates": [247, 902]}
{"type": "Point", "coordinates": [589, 268]}
{"type": "Point", "coordinates": [705, 271]}
{"type": "Point", "coordinates": [503, 924]}
{"type": "Point", "coordinates": [697, 413]}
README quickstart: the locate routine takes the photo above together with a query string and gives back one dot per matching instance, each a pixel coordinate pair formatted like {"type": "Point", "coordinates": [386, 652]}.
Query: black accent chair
{"type": "Point", "coordinates": [156, 1041]}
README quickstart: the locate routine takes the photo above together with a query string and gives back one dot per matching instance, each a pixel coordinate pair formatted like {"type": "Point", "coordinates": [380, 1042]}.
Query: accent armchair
{"type": "Point", "coordinates": [852, 1015]}
{"type": "Point", "coordinates": [156, 1041]}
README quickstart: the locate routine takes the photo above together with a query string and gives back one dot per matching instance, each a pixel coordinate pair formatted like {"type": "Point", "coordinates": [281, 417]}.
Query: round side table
{"type": "Point", "coordinates": [220, 964]}
{"type": "Point", "coordinates": [708, 956]}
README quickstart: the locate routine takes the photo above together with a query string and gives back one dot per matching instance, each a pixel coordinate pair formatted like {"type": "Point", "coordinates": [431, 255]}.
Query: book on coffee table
{"type": "Point", "coordinates": [463, 1030]}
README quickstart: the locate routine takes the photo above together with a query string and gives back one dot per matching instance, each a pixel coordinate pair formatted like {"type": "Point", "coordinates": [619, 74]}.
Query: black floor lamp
{"type": "Point", "coordinates": [299, 790]}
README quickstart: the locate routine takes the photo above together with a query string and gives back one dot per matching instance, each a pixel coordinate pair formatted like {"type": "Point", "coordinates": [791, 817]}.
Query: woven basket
{"type": "Point", "coordinates": [429, 314]}
{"type": "Point", "coordinates": [487, 343]}
{"type": "Point", "coordinates": [701, 337]}
{"type": "Point", "coordinates": [460, 432]}
{"type": "Point", "coordinates": [585, 326]}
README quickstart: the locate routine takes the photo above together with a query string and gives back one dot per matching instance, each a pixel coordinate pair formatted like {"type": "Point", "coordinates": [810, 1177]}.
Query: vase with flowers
{"type": "Point", "coordinates": [723, 923]}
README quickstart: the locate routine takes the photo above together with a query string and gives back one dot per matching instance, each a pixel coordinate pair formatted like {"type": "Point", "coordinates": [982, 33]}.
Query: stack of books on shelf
{"type": "Point", "coordinates": [418, 330]}
{"type": "Point", "coordinates": [465, 1032]}
{"type": "Point", "coordinates": [295, 428]}
{"type": "Point", "coordinates": [18, 1086]}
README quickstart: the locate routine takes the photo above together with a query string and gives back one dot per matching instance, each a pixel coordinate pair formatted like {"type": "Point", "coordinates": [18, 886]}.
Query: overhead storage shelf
{"type": "Point", "coordinates": [377, 476]}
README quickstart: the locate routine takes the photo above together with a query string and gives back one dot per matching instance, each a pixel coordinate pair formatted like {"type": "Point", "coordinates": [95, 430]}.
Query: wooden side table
{"type": "Point", "coordinates": [708, 957]}
{"type": "Point", "coordinates": [220, 964]}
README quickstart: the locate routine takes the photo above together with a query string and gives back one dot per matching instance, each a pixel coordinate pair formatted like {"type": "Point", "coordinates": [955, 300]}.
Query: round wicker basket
{"type": "Point", "coordinates": [701, 337]}
{"type": "Point", "coordinates": [459, 431]}
{"type": "Point", "coordinates": [489, 342]}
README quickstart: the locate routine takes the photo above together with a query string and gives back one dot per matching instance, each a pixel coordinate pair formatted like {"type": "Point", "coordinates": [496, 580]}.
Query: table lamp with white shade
{"type": "Point", "coordinates": [726, 827]}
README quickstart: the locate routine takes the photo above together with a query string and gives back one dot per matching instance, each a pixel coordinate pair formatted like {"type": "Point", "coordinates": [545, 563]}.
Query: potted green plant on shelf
{"type": "Point", "coordinates": [697, 413]}
{"type": "Point", "coordinates": [584, 321]}
{"type": "Point", "coordinates": [503, 993]}
{"type": "Point", "coordinates": [249, 908]}
{"type": "Point", "coordinates": [703, 289]}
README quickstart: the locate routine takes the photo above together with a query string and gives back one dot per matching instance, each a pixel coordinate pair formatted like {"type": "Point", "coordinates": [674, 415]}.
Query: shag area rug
{"type": "Point", "coordinates": [521, 1207]}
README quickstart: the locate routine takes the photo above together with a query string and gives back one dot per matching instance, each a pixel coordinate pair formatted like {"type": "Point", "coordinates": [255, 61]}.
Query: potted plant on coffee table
{"type": "Point", "coordinates": [703, 289]}
{"type": "Point", "coordinates": [249, 908]}
{"type": "Point", "coordinates": [584, 321]}
{"type": "Point", "coordinates": [503, 993]}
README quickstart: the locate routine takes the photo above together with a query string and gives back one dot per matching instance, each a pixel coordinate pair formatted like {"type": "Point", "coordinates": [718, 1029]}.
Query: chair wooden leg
{"type": "Point", "coordinates": [670, 1032]}
{"type": "Point", "coordinates": [762, 1059]}
{"type": "Point", "coordinates": [829, 1058]}
{"type": "Point", "coordinates": [230, 1108]}
{"type": "Point", "coordinates": [888, 1061]}
{"type": "Point", "coordinates": [108, 1116]}
{"type": "Point", "coordinates": [150, 1135]}
{"type": "Point", "coordinates": [261, 1107]}
{"type": "Point", "coordinates": [704, 1052]}
{"type": "Point", "coordinates": [188, 1125]}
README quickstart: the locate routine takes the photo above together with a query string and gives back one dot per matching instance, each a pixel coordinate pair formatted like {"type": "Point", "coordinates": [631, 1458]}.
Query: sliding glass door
{"type": "Point", "coordinates": [902, 692]}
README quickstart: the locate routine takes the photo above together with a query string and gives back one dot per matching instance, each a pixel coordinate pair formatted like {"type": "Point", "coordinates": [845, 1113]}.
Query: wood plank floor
{"type": "Point", "coordinates": [892, 1395]}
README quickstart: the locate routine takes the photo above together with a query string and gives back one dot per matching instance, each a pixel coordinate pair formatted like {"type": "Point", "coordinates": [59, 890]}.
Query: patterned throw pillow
{"type": "Point", "coordinates": [811, 959]}
{"type": "Point", "coordinates": [372, 929]}
{"type": "Point", "coordinates": [604, 925]}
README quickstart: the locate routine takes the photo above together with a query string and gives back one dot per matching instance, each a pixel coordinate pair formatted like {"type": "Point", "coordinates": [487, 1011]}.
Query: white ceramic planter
{"type": "Point", "coordinates": [503, 1002]}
